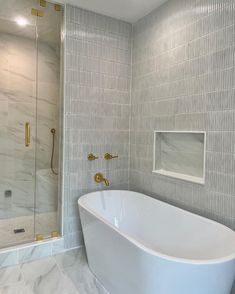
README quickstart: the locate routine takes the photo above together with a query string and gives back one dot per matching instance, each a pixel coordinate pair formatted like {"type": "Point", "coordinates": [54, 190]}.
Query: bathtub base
{"type": "Point", "coordinates": [126, 269]}
{"type": "Point", "coordinates": [139, 245]}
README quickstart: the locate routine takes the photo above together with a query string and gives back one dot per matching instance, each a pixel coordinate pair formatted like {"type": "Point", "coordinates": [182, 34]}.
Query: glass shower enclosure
{"type": "Point", "coordinates": [30, 78]}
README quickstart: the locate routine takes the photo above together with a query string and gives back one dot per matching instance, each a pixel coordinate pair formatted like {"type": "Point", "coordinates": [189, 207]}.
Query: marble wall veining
{"type": "Point", "coordinates": [97, 107]}
{"type": "Point", "coordinates": [64, 273]}
{"type": "Point", "coordinates": [183, 79]}
{"type": "Point", "coordinates": [18, 105]}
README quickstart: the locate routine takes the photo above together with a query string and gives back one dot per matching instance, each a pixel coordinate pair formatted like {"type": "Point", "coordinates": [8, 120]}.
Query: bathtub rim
{"type": "Point", "coordinates": [151, 251]}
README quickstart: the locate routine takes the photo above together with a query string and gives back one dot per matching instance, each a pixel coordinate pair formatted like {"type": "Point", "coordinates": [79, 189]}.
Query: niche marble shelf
{"type": "Point", "coordinates": [180, 154]}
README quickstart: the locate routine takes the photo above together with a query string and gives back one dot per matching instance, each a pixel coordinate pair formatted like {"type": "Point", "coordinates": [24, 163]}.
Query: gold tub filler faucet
{"type": "Point", "coordinates": [99, 178]}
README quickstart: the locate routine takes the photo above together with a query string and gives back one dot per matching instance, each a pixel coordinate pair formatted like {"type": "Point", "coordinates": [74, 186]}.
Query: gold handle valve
{"type": "Point", "coordinates": [109, 156]}
{"type": "Point", "coordinates": [91, 157]}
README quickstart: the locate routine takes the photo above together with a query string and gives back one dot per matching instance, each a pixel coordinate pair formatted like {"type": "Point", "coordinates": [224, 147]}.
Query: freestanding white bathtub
{"type": "Point", "coordinates": [138, 245]}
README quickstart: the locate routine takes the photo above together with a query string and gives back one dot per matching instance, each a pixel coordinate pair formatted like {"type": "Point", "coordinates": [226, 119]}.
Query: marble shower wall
{"type": "Point", "coordinates": [48, 107]}
{"type": "Point", "coordinates": [184, 79]}
{"type": "Point", "coordinates": [17, 106]}
{"type": "Point", "coordinates": [97, 105]}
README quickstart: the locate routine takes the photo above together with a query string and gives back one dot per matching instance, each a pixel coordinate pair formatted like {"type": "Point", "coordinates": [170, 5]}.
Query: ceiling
{"type": "Point", "coordinates": [127, 10]}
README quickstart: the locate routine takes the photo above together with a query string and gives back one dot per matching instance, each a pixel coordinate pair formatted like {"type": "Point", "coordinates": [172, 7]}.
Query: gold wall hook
{"type": "Point", "coordinates": [99, 178]}
{"type": "Point", "coordinates": [109, 156]}
{"type": "Point", "coordinates": [91, 157]}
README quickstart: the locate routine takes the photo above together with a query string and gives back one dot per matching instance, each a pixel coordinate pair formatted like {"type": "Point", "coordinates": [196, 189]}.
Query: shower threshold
{"type": "Point", "coordinates": [45, 223]}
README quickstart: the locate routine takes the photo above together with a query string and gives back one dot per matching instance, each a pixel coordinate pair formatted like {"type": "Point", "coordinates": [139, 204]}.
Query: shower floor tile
{"type": "Point", "coordinates": [65, 273]}
{"type": "Point", "coordinates": [45, 223]}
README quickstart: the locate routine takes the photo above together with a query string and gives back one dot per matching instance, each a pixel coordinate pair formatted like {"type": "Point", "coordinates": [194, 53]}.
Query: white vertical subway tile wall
{"type": "Point", "coordinates": [97, 108]}
{"type": "Point", "coordinates": [184, 79]}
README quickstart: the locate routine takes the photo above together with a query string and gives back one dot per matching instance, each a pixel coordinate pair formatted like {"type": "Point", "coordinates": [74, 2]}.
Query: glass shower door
{"type": "Point", "coordinates": [48, 132]}
{"type": "Point", "coordinates": [30, 40]}
{"type": "Point", "coordinates": [18, 62]}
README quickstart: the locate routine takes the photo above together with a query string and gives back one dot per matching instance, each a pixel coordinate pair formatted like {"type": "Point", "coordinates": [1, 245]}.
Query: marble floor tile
{"type": "Point", "coordinates": [15, 288]}
{"type": "Point", "coordinates": [44, 276]}
{"type": "Point", "coordinates": [71, 258]}
{"type": "Point", "coordinates": [64, 273]}
{"type": "Point", "coordinates": [10, 275]}
{"type": "Point", "coordinates": [74, 265]}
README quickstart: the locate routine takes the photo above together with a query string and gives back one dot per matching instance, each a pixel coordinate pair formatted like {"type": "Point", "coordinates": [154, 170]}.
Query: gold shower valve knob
{"type": "Point", "coordinates": [91, 157]}
{"type": "Point", "coordinates": [109, 156]}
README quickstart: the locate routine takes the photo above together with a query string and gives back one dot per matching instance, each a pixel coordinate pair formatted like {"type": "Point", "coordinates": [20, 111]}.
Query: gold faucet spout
{"type": "Point", "coordinates": [99, 178]}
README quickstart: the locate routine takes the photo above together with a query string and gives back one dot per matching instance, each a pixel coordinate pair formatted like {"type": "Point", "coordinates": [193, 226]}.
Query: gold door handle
{"type": "Point", "coordinates": [27, 134]}
{"type": "Point", "coordinates": [108, 156]}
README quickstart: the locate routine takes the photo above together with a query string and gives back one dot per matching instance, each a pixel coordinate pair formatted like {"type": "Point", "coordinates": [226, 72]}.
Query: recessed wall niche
{"type": "Point", "coordinates": [180, 155]}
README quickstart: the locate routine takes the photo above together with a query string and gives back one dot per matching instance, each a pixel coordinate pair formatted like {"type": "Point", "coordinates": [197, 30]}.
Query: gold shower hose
{"type": "Point", "coordinates": [53, 131]}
